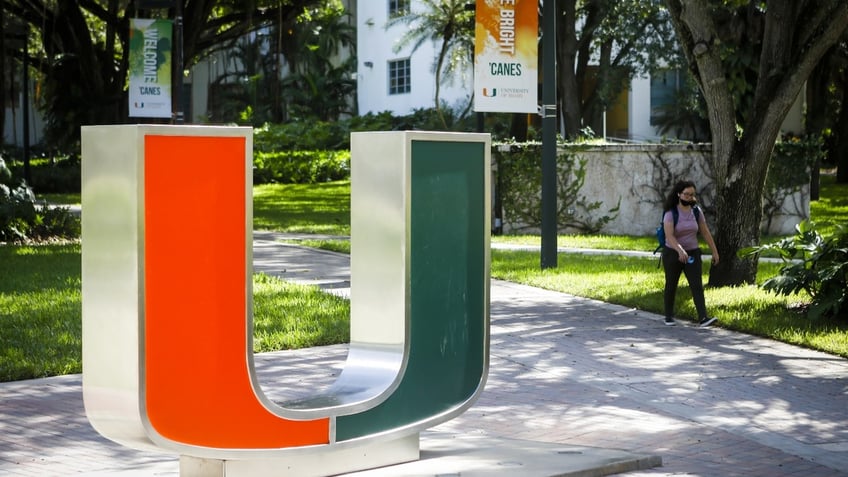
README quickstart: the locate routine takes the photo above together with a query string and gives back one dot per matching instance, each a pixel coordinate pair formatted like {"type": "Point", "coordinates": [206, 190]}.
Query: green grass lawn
{"type": "Point", "coordinates": [40, 323]}
{"type": "Point", "coordinates": [40, 309]}
{"type": "Point", "coordinates": [303, 208]}
{"type": "Point", "coordinates": [832, 206]}
{"type": "Point", "coordinates": [636, 282]}
{"type": "Point", "coordinates": [41, 313]}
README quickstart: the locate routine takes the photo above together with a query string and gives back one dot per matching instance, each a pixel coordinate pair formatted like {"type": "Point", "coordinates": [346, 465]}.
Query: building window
{"type": "Point", "coordinates": [665, 87]}
{"type": "Point", "coordinates": [398, 8]}
{"type": "Point", "coordinates": [400, 77]}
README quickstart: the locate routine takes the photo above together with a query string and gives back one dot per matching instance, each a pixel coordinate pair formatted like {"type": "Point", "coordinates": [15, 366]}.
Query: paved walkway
{"type": "Point", "coordinates": [564, 370]}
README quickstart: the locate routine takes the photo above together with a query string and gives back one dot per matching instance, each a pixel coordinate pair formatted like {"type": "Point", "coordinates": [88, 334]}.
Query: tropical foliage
{"type": "Point", "coordinates": [21, 219]}
{"type": "Point", "coordinates": [814, 264]}
{"type": "Point", "coordinates": [79, 51]}
{"type": "Point", "coordinates": [289, 71]}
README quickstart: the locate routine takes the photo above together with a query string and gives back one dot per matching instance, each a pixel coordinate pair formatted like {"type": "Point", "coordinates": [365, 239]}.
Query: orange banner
{"type": "Point", "coordinates": [506, 56]}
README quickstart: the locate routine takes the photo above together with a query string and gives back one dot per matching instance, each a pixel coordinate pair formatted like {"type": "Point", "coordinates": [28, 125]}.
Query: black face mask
{"type": "Point", "coordinates": [688, 203]}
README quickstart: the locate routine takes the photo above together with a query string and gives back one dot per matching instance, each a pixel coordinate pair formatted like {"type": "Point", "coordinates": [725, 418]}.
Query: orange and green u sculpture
{"type": "Point", "coordinates": [167, 299]}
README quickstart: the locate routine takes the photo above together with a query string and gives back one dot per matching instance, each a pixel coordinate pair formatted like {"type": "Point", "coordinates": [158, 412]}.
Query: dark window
{"type": "Point", "coordinates": [665, 86]}
{"type": "Point", "coordinates": [400, 77]}
{"type": "Point", "coordinates": [398, 8]}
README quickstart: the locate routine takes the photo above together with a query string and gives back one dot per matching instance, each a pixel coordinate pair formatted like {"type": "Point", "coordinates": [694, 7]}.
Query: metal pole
{"type": "Point", "coordinates": [178, 64]}
{"type": "Point", "coordinates": [27, 171]}
{"type": "Point", "coordinates": [549, 123]}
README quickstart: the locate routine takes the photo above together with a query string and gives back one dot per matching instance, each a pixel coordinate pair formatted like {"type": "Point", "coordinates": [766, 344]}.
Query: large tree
{"type": "Point", "coordinates": [750, 59]}
{"type": "Point", "coordinates": [621, 39]}
{"type": "Point", "coordinates": [83, 56]}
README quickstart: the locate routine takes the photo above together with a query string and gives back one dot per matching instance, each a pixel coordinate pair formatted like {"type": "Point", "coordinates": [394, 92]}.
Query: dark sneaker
{"type": "Point", "coordinates": [705, 322]}
{"type": "Point", "coordinates": [670, 321]}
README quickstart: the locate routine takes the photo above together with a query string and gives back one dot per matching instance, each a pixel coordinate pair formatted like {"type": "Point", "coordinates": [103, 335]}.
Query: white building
{"type": "Point", "coordinates": [399, 81]}
{"type": "Point", "coordinates": [14, 122]}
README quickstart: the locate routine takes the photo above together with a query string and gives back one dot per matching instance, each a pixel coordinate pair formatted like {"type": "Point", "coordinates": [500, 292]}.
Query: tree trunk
{"type": "Point", "coordinates": [840, 146]}
{"type": "Point", "coordinates": [440, 61]}
{"type": "Point", "coordinates": [3, 72]}
{"type": "Point", "coordinates": [518, 127]}
{"type": "Point", "coordinates": [817, 111]}
{"type": "Point", "coordinates": [794, 39]}
{"type": "Point", "coordinates": [569, 90]}
{"type": "Point", "coordinates": [697, 32]}
{"type": "Point", "coordinates": [738, 218]}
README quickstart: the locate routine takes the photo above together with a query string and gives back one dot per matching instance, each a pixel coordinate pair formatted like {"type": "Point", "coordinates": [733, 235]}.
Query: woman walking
{"type": "Point", "coordinates": [682, 221]}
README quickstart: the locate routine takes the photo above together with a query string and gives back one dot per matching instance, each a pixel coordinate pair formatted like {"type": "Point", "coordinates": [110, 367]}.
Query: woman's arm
{"type": "Point", "coordinates": [705, 232]}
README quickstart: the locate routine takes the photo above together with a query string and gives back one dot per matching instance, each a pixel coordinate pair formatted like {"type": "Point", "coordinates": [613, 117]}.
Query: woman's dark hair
{"type": "Point", "coordinates": [674, 196]}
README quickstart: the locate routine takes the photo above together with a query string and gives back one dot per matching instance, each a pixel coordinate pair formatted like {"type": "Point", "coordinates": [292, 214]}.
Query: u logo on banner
{"type": "Point", "coordinates": [167, 297]}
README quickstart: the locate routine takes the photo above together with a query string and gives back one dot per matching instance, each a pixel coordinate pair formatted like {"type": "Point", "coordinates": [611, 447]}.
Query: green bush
{"type": "Point", "coordinates": [317, 135]}
{"type": "Point", "coordinates": [815, 264]}
{"type": "Point", "coordinates": [300, 136]}
{"type": "Point", "coordinates": [52, 175]}
{"type": "Point", "coordinates": [21, 220]}
{"type": "Point", "coordinates": [298, 151]}
{"type": "Point", "coordinates": [373, 122]}
{"type": "Point", "coordinates": [519, 170]}
{"type": "Point", "coordinates": [789, 171]}
{"type": "Point", "coordinates": [300, 167]}
{"type": "Point", "coordinates": [17, 212]}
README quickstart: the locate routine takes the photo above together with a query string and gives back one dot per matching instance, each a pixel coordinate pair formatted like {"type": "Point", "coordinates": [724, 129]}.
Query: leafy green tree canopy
{"type": "Point", "coordinates": [79, 49]}
{"type": "Point", "coordinates": [750, 60]}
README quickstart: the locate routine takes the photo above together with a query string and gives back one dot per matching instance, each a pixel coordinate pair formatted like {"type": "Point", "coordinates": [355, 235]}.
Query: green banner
{"type": "Point", "coordinates": [150, 68]}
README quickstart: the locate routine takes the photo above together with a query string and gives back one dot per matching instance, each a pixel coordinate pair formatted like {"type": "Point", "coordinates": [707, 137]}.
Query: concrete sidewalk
{"type": "Point", "coordinates": [564, 370]}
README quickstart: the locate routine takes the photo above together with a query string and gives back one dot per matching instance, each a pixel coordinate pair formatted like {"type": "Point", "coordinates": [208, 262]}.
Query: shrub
{"type": "Point", "coordinates": [300, 136]}
{"type": "Point", "coordinates": [519, 175]}
{"type": "Point", "coordinates": [312, 134]}
{"type": "Point", "coordinates": [812, 263]}
{"type": "Point", "coordinates": [21, 220]}
{"type": "Point", "coordinates": [384, 121]}
{"type": "Point", "coordinates": [52, 175]}
{"type": "Point", "coordinates": [789, 171]}
{"type": "Point", "coordinates": [300, 167]}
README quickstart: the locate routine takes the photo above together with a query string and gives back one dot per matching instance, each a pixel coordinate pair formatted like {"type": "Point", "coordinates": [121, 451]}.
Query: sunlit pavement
{"type": "Point", "coordinates": [563, 370]}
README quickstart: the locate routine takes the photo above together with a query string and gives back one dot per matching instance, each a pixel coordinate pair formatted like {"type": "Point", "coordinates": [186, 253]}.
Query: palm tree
{"type": "Point", "coordinates": [320, 83]}
{"type": "Point", "coordinates": [447, 22]}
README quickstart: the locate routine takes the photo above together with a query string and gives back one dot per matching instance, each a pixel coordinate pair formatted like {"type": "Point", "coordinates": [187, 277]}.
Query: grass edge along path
{"type": "Point", "coordinates": [636, 282]}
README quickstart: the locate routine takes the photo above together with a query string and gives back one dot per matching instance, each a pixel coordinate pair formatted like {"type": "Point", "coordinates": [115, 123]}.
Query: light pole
{"type": "Point", "coordinates": [177, 115]}
{"type": "Point", "coordinates": [178, 63]}
{"type": "Point", "coordinates": [21, 32]}
{"type": "Point", "coordinates": [549, 123]}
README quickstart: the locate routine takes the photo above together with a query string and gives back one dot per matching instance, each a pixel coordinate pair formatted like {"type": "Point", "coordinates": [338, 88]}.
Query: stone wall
{"type": "Point", "coordinates": [640, 176]}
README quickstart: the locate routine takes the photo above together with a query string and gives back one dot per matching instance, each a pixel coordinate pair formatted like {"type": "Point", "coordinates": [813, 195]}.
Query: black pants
{"type": "Point", "coordinates": [673, 268]}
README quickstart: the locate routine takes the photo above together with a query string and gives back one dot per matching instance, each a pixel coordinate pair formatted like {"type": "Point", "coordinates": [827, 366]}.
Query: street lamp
{"type": "Point", "coordinates": [20, 32]}
{"type": "Point", "coordinates": [549, 123]}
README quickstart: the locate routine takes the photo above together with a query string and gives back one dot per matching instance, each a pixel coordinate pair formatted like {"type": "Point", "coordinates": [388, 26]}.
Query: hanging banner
{"type": "Point", "coordinates": [505, 56]}
{"type": "Point", "coordinates": [150, 68]}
